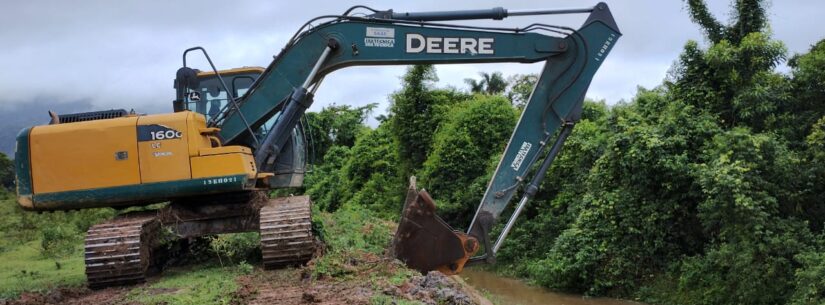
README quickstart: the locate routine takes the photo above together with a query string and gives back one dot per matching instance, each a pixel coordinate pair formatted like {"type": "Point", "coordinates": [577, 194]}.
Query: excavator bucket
{"type": "Point", "coordinates": [425, 242]}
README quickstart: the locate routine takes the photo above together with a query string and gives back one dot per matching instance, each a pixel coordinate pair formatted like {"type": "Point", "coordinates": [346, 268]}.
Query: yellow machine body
{"type": "Point", "coordinates": [128, 160]}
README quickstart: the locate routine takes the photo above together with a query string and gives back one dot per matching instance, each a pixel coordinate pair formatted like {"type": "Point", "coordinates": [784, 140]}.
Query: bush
{"type": "Point", "coordinates": [59, 240]}
{"type": "Point", "coordinates": [372, 175]}
{"type": "Point", "coordinates": [473, 133]}
{"type": "Point", "coordinates": [237, 247]}
{"type": "Point", "coordinates": [755, 271]}
{"type": "Point", "coordinates": [809, 279]}
{"type": "Point", "coordinates": [325, 183]}
{"type": "Point", "coordinates": [352, 235]}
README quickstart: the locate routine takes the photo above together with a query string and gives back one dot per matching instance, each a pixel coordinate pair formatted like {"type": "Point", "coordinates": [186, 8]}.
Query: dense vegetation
{"type": "Point", "coordinates": [707, 189]}
{"type": "Point", "coordinates": [704, 190]}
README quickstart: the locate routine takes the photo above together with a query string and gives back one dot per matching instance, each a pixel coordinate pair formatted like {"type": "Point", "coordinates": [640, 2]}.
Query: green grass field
{"type": "Point", "coordinates": [24, 268]}
{"type": "Point", "coordinates": [204, 284]}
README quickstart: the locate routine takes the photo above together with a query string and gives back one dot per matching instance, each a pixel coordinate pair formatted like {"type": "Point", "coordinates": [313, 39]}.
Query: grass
{"type": "Point", "coordinates": [355, 237]}
{"type": "Point", "coordinates": [355, 240]}
{"type": "Point", "coordinates": [25, 265]}
{"type": "Point", "coordinates": [24, 268]}
{"type": "Point", "coordinates": [191, 286]}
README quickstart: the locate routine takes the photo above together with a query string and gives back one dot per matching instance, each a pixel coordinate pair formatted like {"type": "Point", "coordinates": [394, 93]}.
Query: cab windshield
{"type": "Point", "coordinates": [210, 99]}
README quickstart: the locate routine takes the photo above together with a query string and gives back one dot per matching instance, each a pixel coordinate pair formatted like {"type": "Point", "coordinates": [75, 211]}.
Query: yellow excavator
{"type": "Point", "coordinates": [236, 134]}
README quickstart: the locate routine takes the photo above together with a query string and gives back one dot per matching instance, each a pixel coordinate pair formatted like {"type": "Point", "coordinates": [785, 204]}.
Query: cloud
{"type": "Point", "coordinates": [124, 55]}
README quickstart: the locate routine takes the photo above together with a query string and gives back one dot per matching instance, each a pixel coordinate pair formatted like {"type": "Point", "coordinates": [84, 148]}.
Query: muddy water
{"type": "Point", "coordinates": [508, 291]}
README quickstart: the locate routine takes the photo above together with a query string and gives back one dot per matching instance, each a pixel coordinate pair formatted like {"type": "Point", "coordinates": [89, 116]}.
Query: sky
{"type": "Point", "coordinates": [124, 54]}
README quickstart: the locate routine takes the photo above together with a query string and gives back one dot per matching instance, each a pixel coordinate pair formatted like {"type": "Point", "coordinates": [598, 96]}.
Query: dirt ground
{"type": "Point", "coordinates": [295, 287]}
{"type": "Point", "coordinates": [74, 296]}
{"type": "Point", "coordinates": [290, 287]}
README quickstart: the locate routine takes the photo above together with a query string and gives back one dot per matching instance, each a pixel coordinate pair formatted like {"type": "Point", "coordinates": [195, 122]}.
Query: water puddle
{"type": "Point", "coordinates": [508, 291]}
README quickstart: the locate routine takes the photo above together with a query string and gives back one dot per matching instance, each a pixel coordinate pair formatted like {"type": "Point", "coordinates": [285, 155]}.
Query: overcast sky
{"type": "Point", "coordinates": [124, 54]}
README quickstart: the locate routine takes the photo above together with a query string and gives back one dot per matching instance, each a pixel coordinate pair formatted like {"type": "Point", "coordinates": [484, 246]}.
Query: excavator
{"type": "Point", "coordinates": [235, 135]}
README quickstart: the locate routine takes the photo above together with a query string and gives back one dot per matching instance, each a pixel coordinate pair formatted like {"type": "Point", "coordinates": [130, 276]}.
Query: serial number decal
{"type": "Point", "coordinates": [157, 132]}
{"type": "Point", "coordinates": [215, 181]}
{"type": "Point", "coordinates": [380, 37]}
{"type": "Point", "coordinates": [605, 47]}
{"type": "Point", "coordinates": [380, 32]}
{"type": "Point", "coordinates": [521, 155]}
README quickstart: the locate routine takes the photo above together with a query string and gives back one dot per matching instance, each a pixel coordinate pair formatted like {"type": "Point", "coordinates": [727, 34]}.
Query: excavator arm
{"type": "Point", "coordinates": [424, 241]}
{"type": "Point", "coordinates": [549, 116]}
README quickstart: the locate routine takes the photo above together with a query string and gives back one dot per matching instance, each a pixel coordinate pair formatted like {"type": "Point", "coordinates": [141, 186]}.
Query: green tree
{"type": "Point", "coordinates": [325, 183]}
{"type": "Point", "coordinates": [415, 114]}
{"type": "Point", "coordinates": [810, 279]}
{"type": "Point", "coordinates": [748, 16]}
{"type": "Point", "coordinates": [6, 172]}
{"type": "Point", "coordinates": [490, 83]}
{"type": "Point", "coordinates": [751, 257]}
{"type": "Point", "coordinates": [734, 77]}
{"type": "Point", "coordinates": [336, 125]}
{"type": "Point", "coordinates": [639, 185]}
{"type": "Point", "coordinates": [520, 87]}
{"type": "Point", "coordinates": [372, 173]}
{"type": "Point", "coordinates": [473, 133]}
{"type": "Point", "coordinates": [808, 91]}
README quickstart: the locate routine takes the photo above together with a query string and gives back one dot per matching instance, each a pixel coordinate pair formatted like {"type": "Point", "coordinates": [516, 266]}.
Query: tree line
{"type": "Point", "coordinates": [707, 189]}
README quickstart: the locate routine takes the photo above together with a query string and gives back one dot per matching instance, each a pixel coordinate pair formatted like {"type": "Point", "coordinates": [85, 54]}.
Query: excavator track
{"type": "Point", "coordinates": [118, 251]}
{"type": "Point", "coordinates": [286, 232]}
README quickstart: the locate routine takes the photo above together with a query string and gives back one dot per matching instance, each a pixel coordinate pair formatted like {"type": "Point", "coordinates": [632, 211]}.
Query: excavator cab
{"type": "Point", "coordinates": [210, 99]}
{"type": "Point", "coordinates": [206, 95]}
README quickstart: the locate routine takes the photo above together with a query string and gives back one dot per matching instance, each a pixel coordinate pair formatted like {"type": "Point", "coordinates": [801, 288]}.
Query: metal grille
{"type": "Point", "coordinates": [91, 116]}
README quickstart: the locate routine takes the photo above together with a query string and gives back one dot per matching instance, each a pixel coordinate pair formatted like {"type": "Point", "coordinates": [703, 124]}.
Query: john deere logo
{"type": "Point", "coordinates": [157, 132]}
{"type": "Point", "coordinates": [417, 43]}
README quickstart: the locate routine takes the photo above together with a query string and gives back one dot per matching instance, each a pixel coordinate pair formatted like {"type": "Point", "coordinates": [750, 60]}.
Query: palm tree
{"type": "Point", "coordinates": [490, 83]}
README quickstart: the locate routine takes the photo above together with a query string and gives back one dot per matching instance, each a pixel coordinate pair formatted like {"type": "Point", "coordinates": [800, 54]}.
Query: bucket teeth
{"type": "Point", "coordinates": [286, 232]}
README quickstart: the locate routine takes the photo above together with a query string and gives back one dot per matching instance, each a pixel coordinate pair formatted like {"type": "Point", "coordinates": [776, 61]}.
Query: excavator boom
{"type": "Point", "coordinates": [572, 57]}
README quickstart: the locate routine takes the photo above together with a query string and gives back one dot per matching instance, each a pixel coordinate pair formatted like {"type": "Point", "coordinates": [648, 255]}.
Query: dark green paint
{"type": "Point", "coordinates": [22, 163]}
{"type": "Point", "coordinates": [559, 78]}
{"type": "Point", "coordinates": [293, 65]}
{"type": "Point", "coordinates": [136, 194]}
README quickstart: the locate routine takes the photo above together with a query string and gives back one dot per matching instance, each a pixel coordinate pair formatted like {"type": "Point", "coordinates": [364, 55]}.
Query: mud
{"type": "Point", "coordinates": [433, 289]}
{"type": "Point", "coordinates": [296, 287]}
{"type": "Point", "coordinates": [73, 296]}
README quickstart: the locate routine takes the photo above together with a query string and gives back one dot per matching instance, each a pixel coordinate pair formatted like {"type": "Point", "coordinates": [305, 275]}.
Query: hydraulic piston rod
{"type": "Point", "coordinates": [496, 13]}
{"type": "Point", "coordinates": [533, 187]}
{"type": "Point", "coordinates": [298, 102]}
